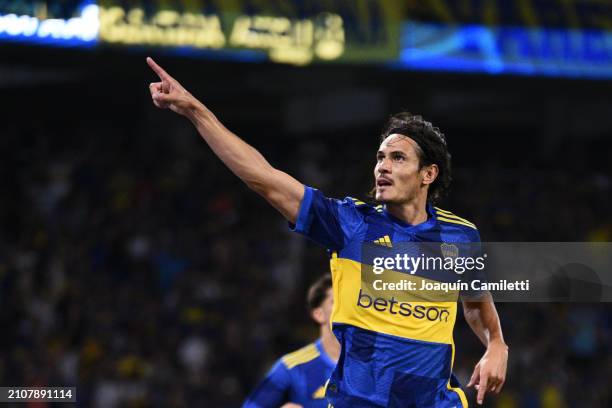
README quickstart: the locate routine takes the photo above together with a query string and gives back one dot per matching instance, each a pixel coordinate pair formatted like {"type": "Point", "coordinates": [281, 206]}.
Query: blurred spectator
{"type": "Point", "coordinates": [142, 272]}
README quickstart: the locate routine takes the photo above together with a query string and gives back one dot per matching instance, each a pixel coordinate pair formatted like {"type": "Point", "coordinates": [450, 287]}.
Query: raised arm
{"type": "Point", "coordinates": [490, 373]}
{"type": "Point", "coordinates": [281, 190]}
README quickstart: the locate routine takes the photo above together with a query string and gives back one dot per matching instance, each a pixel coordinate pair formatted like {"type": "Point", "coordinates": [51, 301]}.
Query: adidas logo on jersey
{"type": "Point", "coordinates": [384, 241]}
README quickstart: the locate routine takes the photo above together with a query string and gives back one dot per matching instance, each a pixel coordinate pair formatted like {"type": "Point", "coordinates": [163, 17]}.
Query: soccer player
{"type": "Point", "coordinates": [389, 357]}
{"type": "Point", "coordinates": [298, 379]}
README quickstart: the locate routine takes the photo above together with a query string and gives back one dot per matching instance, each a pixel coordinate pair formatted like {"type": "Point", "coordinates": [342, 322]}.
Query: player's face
{"type": "Point", "coordinates": [397, 174]}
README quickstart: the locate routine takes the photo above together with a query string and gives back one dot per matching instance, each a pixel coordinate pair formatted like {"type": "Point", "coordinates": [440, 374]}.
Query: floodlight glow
{"type": "Point", "coordinates": [74, 31]}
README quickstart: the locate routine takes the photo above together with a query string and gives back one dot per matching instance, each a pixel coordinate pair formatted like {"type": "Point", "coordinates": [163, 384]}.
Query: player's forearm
{"type": "Point", "coordinates": [241, 158]}
{"type": "Point", "coordinates": [484, 321]}
{"type": "Point", "coordinates": [281, 190]}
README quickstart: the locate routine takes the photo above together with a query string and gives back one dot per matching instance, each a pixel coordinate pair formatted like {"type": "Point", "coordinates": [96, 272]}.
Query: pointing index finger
{"type": "Point", "coordinates": [482, 389]}
{"type": "Point", "coordinates": [158, 70]}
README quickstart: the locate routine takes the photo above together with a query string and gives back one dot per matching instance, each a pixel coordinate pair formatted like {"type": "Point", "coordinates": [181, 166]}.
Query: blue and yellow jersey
{"type": "Point", "coordinates": [397, 351]}
{"type": "Point", "coordinates": [297, 377]}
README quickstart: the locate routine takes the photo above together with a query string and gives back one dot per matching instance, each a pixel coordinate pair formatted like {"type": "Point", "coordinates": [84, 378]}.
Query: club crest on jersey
{"type": "Point", "coordinates": [449, 250]}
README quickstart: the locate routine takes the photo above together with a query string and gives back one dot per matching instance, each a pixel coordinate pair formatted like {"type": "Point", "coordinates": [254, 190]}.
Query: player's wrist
{"type": "Point", "coordinates": [196, 111]}
{"type": "Point", "coordinates": [498, 344]}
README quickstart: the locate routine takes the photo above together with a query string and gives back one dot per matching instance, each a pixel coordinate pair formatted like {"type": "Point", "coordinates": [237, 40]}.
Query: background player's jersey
{"type": "Point", "coordinates": [298, 377]}
{"type": "Point", "coordinates": [396, 352]}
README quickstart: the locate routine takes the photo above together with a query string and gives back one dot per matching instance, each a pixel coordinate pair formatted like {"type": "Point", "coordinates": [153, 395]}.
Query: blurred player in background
{"type": "Point", "coordinates": [298, 379]}
{"type": "Point", "coordinates": [393, 354]}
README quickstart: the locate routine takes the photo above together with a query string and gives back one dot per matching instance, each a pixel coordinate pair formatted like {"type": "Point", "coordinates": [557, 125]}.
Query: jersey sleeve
{"type": "Point", "coordinates": [327, 221]}
{"type": "Point", "coordinates": [273, 391]}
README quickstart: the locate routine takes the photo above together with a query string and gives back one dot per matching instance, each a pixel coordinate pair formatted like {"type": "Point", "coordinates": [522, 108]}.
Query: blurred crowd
{"type": "Point", "coordinates": [134, 266]}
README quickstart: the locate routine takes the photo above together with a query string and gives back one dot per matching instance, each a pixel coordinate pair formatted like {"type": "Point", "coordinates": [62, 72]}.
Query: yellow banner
{"type": "Point", "coordinates": [289, 32]}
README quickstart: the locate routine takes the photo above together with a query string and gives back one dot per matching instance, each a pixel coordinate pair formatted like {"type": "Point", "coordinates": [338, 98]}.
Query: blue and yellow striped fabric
{"type": "Point", "coordinates": [298, 377]}
{"type": "Point", "coordinates": [396, 351]}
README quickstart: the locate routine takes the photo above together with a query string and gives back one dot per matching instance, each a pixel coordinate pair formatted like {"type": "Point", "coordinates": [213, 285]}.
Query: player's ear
{"type": "Point", "coordinates": [429, 173]}
{"type": "Point", "coordinates": [317, 315]}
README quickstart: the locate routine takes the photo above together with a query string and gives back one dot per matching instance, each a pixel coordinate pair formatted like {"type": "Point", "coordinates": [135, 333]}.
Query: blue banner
{"type": "Point", "coordinates": [506, 50]}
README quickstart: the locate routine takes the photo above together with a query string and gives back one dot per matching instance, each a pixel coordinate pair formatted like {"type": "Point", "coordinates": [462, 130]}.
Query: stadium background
{"type": "Point", "coordinates": [136, 267]}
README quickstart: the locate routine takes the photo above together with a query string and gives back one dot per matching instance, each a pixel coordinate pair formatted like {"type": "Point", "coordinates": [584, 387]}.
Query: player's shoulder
{"type": "Point", "coordinates": [301, 356]}
{"type": "Point", "coordinates": [362, 206]}
{"type": "Point", "coordinates": [449, 220]}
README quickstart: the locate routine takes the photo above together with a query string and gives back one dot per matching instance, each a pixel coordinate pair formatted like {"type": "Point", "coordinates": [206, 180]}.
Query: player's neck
{"type": "Point", "coordinates": [412, 212]}
{"type": "Point", "coordinates": [329, 343]}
